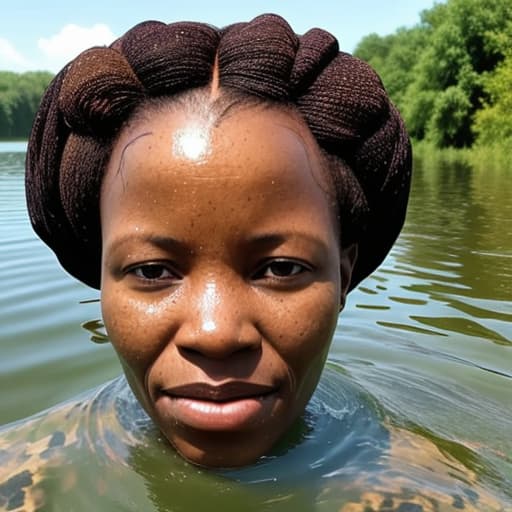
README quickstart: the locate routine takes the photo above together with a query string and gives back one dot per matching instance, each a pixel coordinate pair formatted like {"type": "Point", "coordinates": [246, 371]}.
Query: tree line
{"type": "Point", "coordinates": [20, 94]}
{"type": "Point", "coordinates": [451, 75]}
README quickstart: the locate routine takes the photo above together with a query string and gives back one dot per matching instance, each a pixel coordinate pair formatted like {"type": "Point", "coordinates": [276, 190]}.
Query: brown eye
{"type": "Point", "coordinates": [152, 272]}
{"type": "Point", "coordinates": [281, 268]}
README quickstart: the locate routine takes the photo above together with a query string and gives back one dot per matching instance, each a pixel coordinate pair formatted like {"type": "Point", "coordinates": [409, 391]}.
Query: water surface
{"type": "Point", "coordinates": [419, 384]}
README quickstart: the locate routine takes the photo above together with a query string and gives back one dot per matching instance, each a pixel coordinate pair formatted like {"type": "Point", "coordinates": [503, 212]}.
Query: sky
{"type": "Point", "coordinates": [36, 35]}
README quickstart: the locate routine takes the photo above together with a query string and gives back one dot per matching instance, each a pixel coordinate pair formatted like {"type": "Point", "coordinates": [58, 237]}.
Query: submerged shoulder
{"type": "Point", "coordinates": [412, 458]}
{"type": "Point", "coordinates": [31, 448]}
{"type": "Point", "coordinates": [27, 449]}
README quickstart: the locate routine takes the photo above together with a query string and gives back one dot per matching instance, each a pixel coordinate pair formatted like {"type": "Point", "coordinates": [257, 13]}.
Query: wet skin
{"type": "Point", "coordinates": [222, 276]}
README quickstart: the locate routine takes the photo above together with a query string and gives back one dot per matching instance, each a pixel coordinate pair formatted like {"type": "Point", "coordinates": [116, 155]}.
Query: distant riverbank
{"type": "Point", "coordinates": [478, 157]}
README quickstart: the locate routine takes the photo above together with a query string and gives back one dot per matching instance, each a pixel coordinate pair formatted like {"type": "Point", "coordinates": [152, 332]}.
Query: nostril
{"type": "Point", "coordinates": [190, 351]}
{"type": "Point", "coordinates": [199, 348]}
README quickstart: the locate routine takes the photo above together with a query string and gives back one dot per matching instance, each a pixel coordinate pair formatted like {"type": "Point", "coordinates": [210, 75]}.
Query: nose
{"type": "Point", "coordinates": [218, 321]}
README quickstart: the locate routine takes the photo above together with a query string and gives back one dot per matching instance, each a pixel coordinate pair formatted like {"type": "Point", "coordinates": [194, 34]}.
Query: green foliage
{"type": "Point", "coordinates": [450, 118]}
{"type": "Point", "coordinates": [492, 158]}
{"type": "Point", "coordinates": [493, 123]}
{"type": "Point", "coordinates": [20, 95]}
{"type": "Point", "coordinates": [449, 74]}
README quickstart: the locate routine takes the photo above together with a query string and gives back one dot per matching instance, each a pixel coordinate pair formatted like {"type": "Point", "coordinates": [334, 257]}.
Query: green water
{"type": "Point", "coordinates": [423, 349]}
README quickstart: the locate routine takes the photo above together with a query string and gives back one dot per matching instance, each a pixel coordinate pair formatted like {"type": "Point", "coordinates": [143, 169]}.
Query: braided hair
{"type": "Point", "coordinates": [341, 99]}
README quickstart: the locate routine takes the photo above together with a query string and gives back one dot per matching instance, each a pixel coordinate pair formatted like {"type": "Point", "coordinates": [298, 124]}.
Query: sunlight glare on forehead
{"type": "Point", "coordinates": [192, 142]}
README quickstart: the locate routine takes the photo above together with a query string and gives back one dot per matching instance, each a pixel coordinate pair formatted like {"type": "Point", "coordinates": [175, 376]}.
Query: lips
{"type": "Point", "coordinates": [232, 406]}
{"type": "Point", "coordinates": [233, 390]}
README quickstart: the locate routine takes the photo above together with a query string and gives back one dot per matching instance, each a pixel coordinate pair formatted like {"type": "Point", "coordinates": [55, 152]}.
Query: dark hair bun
{"type": "Point", "coordinates": [340, 97]}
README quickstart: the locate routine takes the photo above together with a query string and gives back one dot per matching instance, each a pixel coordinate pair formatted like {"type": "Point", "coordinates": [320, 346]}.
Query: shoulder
{"type": "Point", "coordinates": [412, 460]}
{"type": "Point", "coordinates": [31, 447]}
{"type": "Point", "coordinates": [27, 447]}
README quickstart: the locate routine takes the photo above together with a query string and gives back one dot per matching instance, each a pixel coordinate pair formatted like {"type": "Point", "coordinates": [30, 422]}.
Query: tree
{"type": "Point", "coordinates": [493, 123]}
{"type": "Point", "coordinates": [20, 95]}
{"type": "Point", "coordinates": [448, 68]}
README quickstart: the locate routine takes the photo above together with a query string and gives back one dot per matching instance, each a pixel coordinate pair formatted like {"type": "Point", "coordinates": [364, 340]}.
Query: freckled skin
{"type": "Point", "coordinates": [247, 278]}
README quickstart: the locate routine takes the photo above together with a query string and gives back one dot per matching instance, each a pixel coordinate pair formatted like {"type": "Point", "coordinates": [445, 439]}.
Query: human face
{"type": "Point", "coordinates": [222, 277]}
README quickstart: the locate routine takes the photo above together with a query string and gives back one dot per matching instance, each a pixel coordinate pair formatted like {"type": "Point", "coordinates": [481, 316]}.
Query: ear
{"type": "Point", "coordinates": [348, 258]}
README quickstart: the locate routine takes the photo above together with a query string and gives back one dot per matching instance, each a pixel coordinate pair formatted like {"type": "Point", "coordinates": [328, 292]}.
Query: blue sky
{"type": "Point", "coordinates": [46, 35]}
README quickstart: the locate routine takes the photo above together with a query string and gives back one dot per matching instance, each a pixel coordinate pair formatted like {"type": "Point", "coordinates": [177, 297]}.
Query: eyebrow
{"type": "Point", "coordinates": [272, 240]}
{"type": "Point", "coordinates": [266, 241]}
{"type": "Point", "coordinates": [166, 243]}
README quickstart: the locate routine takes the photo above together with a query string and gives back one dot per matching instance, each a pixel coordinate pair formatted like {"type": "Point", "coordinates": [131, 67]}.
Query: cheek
{"type": "Point", "coordinates": [134, 328]}
{"type": "Point", "coordinates": [305, 328]}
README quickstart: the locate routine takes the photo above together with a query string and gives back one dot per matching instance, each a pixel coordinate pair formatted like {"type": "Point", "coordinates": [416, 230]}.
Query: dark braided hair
{"type": "Point", "coordinates": [341, 99]}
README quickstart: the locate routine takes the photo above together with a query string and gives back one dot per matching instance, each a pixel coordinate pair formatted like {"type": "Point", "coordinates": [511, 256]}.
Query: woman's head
{"type": "Point", "coordinates": [222, 275]}
{"type": "Point", "coordinates": [225, 189]}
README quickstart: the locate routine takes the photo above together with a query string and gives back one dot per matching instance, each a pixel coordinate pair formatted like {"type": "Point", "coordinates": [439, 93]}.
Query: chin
{"type": "Point", "coordinates": [224, 450]}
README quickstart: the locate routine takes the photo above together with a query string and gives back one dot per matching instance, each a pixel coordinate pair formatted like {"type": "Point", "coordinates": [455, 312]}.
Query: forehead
{"type": "Point", "coordinates": [181, 158]}
{"type": "Point", "coordinates": [192, 136]}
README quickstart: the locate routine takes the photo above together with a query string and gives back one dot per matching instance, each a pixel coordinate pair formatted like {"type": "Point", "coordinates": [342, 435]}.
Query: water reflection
{"type": "Point", "coordinates": [460, 228]}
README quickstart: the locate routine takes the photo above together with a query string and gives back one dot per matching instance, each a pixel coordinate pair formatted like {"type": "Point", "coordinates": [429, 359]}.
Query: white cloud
{"type": "Point", "coordinates": [70, 41]}
{"type": "Point", "coordinates": [12, 59]}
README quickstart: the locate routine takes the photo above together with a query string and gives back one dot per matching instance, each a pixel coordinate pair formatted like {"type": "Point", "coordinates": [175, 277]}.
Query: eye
{"type": "Point", "coordinates": [153, 272]}
{"type": "Point", "coordinates": [281, 268]}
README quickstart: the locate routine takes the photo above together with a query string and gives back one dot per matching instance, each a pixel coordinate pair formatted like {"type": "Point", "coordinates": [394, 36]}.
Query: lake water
{"type": "Point", "coordinates": [416, 399]}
